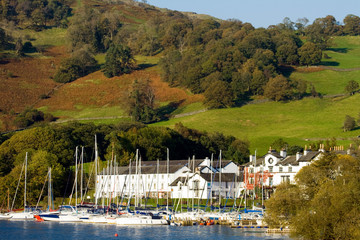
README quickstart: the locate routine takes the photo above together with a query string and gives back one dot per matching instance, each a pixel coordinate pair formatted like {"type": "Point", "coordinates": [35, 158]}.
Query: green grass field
{"type": "Point", "coordinates": [344, 52]}
{"type": "Point", "coordinates": [296, 122]}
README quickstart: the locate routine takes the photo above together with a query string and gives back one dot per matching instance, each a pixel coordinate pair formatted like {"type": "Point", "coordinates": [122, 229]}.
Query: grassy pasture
{"type": "Point", "coordinates": [296, 122]}
{"type": "Point", "coordinates": [344, 53]}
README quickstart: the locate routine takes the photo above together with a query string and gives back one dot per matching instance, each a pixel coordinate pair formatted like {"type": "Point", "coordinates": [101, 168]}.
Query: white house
{"type": "Point", "coordinates": [274, 168]}
{"type": "Point", "coordinates": [176, 179]}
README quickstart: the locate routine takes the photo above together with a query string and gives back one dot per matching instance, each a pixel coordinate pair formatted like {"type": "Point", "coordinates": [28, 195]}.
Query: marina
{"type": "Point", "coordinates": [55, 230]}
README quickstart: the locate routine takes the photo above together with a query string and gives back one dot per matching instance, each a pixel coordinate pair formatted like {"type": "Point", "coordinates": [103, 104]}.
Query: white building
{"type": "Point", "coordinates": [274, 168]}
{"type": "Point", "coordinates": [178, 179]}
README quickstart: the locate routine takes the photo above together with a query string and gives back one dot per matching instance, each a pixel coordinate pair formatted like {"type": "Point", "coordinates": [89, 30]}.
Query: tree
{"type": "Point", "coordinates": [118, 60]}
{"type": "Point", "coordinates": [278, 88]}
{"type": "Point", "coordinates": [309, 54]}
{"type": "Point", "coordinates": [279, 144]}
{"type": "Point", "coordinates": [218, 95]}
{"type": "Point", "coordinates": [352, 87]}
{"type": "Point", "coordinates": [349, 123]}
{"type": "Point", "coordinates": [352, 25]}
{"type": "Point", "coordinates": [141, 101]}
{"type": "Point", "coordinates": [324, 202]}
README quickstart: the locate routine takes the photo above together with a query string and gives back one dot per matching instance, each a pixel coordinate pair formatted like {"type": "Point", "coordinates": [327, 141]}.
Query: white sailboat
{"type": "Point", "coordinates": [27, 213]}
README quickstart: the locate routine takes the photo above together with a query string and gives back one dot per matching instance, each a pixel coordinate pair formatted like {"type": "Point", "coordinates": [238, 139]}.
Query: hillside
{"type": "Point", "coordinates": [27, 81]}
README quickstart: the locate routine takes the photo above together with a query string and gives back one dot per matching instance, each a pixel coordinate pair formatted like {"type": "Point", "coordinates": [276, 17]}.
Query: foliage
{"type": "Point", "coordinates": [81, 63]}
{"type": "Point", "coordinates": [141, 101]}
{"type": "Point", "coordinates": [323, 203]}
{"type": "Point", "coordinates": [94, 28]}
{"type": "Point", "coordinates": [54, 146]}
{"type": "Point", "coordinates": [352, 87]}
{"type": "Point", "coordinates": [31, 116]}
{"type": "Point", "coordinates": [36, 14]}
{"type": "Point", "coordinates": [218, 95]}
{"type": "Point", "coordinates": [349, 123]}
{"type": "Point", "coordinates": [309, 54]}
{"type": "Point", "coordinates": [278, 89]}
{"type": "Point", "coordinates": [118, 60]}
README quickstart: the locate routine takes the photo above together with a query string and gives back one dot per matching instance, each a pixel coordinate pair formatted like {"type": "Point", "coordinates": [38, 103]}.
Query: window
{"type": "Point", "coordinates": [290, 169]}
{"type": "Point", "coordinates": [285, 179]}
{"type": "Point", "coordinates": [162, 186]}
{"type": "Point", "coordinates": [196, 184]}
{"type": "Point", "coordinates": [251, 181]}
{"type": "Point", "coordinates": [270, 168]}
{"type": "Point", "coordinates": [270, 181]}
{"type": "Point", "coordinates": [162, 176]}
{"type": "Point", "coordinates": [251, 170]}
{"type": "Point", "coordinates": [280, 169]}
{"type": "Point", "coordinates": [149, 176]}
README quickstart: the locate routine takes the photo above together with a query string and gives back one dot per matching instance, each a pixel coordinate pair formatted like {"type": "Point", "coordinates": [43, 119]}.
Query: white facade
{"type": "Point", "coordinates": [154, 179]}
{"type": "Point", "coordinates": [274, 168]}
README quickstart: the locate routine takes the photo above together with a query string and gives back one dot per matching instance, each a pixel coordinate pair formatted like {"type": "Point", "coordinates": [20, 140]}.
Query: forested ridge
{"type": "Point", "coordinates": [54, 146]}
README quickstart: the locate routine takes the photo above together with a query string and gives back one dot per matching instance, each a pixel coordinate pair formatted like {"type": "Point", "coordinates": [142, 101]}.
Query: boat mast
{"type": "Point", "coordinates": [96, 163]}
{"type": "Point", "coordinates": [167, 179]}
{"type": "Point", "coordinates": [211, 177]}
{"type": "Point", "coordinates": [254, 172]}
{"type": "Point", "coordinates": [82, 174]}
{"type": "Point", "coordinates": [76, 174]}
{"type": "Point", "coordinates": [157, 185]}
{"type": "Point", "coordinates": [194, 189]}
{"type": "Point", "coordinates": [26, 156]}
{"type": "Point", "coordinates": [220, 184]}
{"type": "Point", "coordinates": [49, 190]}
{"type": "Point", "coordinates": [137, 178]}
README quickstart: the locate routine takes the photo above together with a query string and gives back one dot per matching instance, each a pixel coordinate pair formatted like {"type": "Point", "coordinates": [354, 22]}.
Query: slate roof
{"type": "Point", "coordinates": [288, 160]}
{"type": "Point", "coordinates": [144, 170]}
{"type": "Point", "coordinates": [309, 156]}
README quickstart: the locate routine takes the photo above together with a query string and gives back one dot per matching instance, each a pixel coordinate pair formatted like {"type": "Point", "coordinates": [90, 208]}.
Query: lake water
{"type": "Point", "coordinates": [51, 230]}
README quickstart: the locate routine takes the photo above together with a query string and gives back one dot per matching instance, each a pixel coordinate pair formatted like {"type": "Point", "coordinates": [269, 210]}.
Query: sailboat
{"type": "Point", "coordinates": [27, 213]}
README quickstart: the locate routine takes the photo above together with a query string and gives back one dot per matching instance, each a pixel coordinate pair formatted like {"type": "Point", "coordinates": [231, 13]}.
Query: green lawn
{"type": "Point", "coordinates": [344, 53]}
{"type": "Point", "coordinates": [328, 81]}
{"type": "Point", "coordinates": [88, 112]}
{"type": "Point", "coordinates": [295, 122]}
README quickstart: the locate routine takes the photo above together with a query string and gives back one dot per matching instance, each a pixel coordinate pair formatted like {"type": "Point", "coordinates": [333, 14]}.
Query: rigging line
{"type": "Point", "coordinates": [217, 164]}
{"type": "Point", "coordinates": [227, 198]}
{"type": "Point", "coordinates": [17, 187]}
{"type": "Point", "coordinates": [42, 190]}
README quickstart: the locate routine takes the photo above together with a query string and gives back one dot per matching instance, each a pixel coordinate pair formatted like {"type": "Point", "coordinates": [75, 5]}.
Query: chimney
{"type": "Point", "coordinates": [298, 156]}
{"type": "Point", "coordinates": [322, 148]}
{"type": "Point", "coordinates": [283, 153]}
{"type": "Point", "coordinates": [306, 151]}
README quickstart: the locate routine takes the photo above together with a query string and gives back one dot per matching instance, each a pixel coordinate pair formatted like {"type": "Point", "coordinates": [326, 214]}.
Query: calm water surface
{"type": "Point", "coordinates": [50, 230]}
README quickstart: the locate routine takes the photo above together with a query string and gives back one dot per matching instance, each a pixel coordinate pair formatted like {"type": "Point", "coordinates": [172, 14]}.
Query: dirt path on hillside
{"type": "Point", "coordinates": [340, 69]}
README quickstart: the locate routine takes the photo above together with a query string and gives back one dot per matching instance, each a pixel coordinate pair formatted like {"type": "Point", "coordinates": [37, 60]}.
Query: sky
{"type": "Point", "coordinates": [262, 13]}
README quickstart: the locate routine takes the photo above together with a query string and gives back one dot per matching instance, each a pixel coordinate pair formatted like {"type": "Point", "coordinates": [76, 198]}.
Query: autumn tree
{"type": "Point", "coordinates": [278, 88]}
{"type": "Point", "coordinates": [218, 95]}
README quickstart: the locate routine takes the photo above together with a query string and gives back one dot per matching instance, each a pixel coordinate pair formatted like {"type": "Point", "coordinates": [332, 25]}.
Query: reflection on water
{"type": "Point", "coordinates": [52, 230]}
